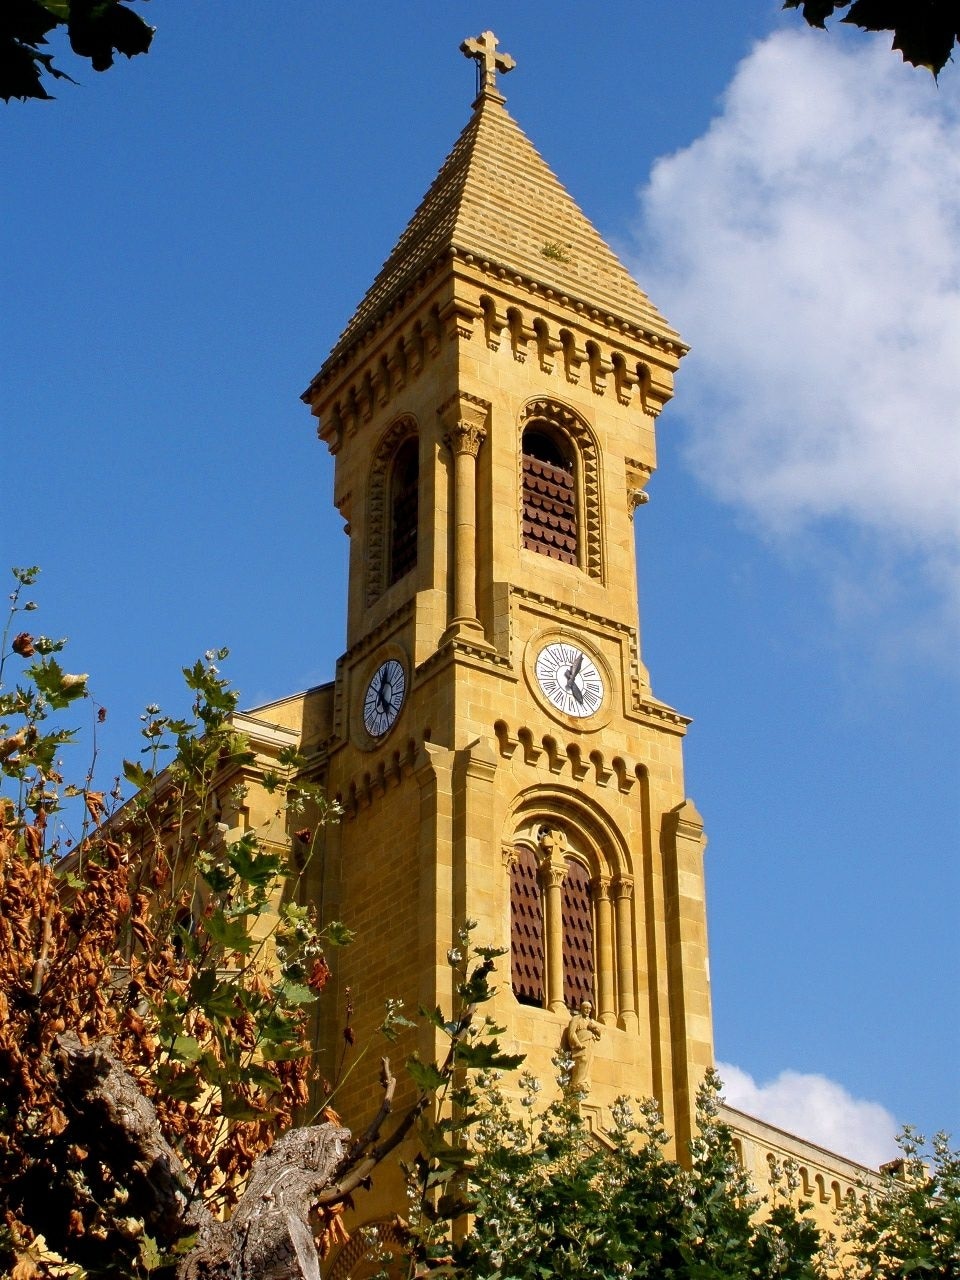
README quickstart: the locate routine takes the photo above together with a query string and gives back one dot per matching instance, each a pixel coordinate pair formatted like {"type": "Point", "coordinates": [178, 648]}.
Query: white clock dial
{"type": "Point", "coordinates": [569, 679]}
{"type": "Point", "coordinates": [384, 697]}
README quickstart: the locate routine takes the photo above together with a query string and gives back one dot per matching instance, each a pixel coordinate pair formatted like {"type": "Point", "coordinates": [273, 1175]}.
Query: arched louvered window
{"type": "Point", "coordinates": [548, 494]}
{"type": "Point", "coordinates": [578, 967]}
{"type": "Point", "coordinates": [404, 509]}
{"type": "Point", "coordinates": [526, 929]}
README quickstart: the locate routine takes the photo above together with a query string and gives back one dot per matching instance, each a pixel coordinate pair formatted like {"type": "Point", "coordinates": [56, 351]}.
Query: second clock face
{"type": "Point", "coordinates": [384, 698]}
{"type": "Point", "coordinates": [569, 679]}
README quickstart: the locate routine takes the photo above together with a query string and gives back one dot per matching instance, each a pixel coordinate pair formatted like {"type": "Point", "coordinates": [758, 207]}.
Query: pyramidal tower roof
{"type": "Point", "coordinates": [495, 197]}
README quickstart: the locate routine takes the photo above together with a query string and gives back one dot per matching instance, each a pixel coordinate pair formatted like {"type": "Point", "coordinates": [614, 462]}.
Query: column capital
{"type": "Point", "coordinates": [600, 885]}
{"type": "Point", "coordinates": [622, 888]}
{"type": "Point", "coordinates": [465, 418]}
{"type": "Point", "coordinates": [551, 875]}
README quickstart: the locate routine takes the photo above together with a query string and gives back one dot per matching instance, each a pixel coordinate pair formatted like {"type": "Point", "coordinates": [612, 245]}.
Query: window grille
{"type": "Point", "coordinates": [404, 509]}
{"type": "Point", "coordinates": [578, 968]}
{"type": "Point", "coordinates": [526, 929]}
{"type": "Point", "coordinates": [549, 498]}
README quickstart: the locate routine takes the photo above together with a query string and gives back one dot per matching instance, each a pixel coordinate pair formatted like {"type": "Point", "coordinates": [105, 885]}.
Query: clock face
{"type": "Point", "coordinates": [384, 698]}
{"type": "Point", "coordinates": [569, 679]}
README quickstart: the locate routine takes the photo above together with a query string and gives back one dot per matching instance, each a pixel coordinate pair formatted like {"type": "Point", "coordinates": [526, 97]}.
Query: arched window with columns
{"type": "Point", "coordinates": [571, 922]}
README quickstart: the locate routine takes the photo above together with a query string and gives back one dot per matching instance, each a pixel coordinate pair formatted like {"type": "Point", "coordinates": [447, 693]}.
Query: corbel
{"type": "Point", "coordinates": [547, 347]}
{"type": "Point", "coordinates": [520, 335]}
{"type": "Point", "coordinates": [531, 752]}
{"type": "Point", "coordinates": [493, 323]}
{"type": "Point", "coordinates": [578, 768]}
{"type": "Point", "coordinates": [573, 356]}
{"type": "Point", "coordinates": [506, 744]}
{"type": "Point", "coordinates": [457, 317]}
{"type": "Point", "coordinates": [603, 774]}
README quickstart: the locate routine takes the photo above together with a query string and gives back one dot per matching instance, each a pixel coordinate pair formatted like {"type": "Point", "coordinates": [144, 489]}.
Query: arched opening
{"type": "Point", "coordinates": [549, 495]}
{"type": "Point", "coordinates": [404, 509]}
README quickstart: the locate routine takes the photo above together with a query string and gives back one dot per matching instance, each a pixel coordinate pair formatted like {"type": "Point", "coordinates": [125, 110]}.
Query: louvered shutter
{"type": "Point", "coordinates": [578, 983]}
{"type": "Point", "coordinates": [405, 510]}
{"type": "Point", "coordinates": [526, 929]}
{"type": "Point", "coordinates": [549, 509]}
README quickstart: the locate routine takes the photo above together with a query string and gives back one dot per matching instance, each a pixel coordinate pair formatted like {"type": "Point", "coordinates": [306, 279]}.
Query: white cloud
{"type": "Point", "coordinates": [808, 246]}
{"type": "Point", "coordinates": [817, 1109]}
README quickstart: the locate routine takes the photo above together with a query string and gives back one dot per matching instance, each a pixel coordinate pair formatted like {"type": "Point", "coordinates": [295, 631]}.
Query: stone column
{"type": "Point", "coordinates": [553, 872]}
{"type": "Point", "coordinates": [623, 898]}
{"type": "Point", "coordinates": [606, 998]}
{"type": "Point", "coordinates": [465, 418]}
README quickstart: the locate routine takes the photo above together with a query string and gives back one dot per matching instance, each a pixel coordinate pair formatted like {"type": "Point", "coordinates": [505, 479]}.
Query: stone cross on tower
{"type": "Point", "coordinates": [483, 49]}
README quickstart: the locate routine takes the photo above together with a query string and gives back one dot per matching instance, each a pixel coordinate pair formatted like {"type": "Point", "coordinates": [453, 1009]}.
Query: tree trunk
{"type": "Point", "coordinates": [269, 1235]}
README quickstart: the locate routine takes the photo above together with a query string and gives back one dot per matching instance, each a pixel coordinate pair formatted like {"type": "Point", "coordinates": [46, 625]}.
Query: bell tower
{"type": "Point", "coordinates": [491, 732]}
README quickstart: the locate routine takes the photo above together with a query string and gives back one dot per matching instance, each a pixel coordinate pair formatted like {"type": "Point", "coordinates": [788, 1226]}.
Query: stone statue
{"type": "Point", "coordinates": [579, 1039]}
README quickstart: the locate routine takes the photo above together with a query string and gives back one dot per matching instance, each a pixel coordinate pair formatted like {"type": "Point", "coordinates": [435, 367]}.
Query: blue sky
{"type": "Point", "coordinates": [183, 239]}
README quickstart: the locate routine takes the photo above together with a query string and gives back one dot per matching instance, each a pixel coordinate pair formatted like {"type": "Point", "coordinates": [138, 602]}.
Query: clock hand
{"type": "Point", "coordinates": [381, 695]}
{"type": "Point", "coordinates": [577, 664]}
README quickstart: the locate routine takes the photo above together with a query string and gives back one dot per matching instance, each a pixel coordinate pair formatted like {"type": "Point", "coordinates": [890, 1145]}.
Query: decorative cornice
{"type": "Point", "coordinates": [558, 756]}
{"type": "Point", "coordinates": [671, 347]}
{"type": "Point", "coordinates": [554, 607]}
{"type": "Point", "coordinates": [458, 648]}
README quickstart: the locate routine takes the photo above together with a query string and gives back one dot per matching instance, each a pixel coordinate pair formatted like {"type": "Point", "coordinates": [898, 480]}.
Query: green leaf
{"type": "Point", "coordinates": [251, 864]}
{"type": "Point", "coordinates": [235, 1108]}
{"type": "Point", "coordinates": [487, 1055]}
{"type": "Point", "coordinates": [296, 993]}
{"type": "Point", "coordinates": [174, 1083]}
{"type": "Point", "coordinates": [185, 1049]}
{"type": "Point", "coordinates": [231, 934]}
{"type": "Point", "coordinates": [337, 934]}
{"type": "Point", "coordinates": [57, 686]}
{"type": "Point", "coordinates": [70, 879]}
{"type": "Point", "coordinates": [262, 1078]}
{"type": "Point", "coordinates": [149, 1253]}
{"type": "Point", "coordinates": [426, 1075]}
{"type": "Point", "coordinates": [283, 1051]}
{"type": "Point", "coordinates": [136, 775]}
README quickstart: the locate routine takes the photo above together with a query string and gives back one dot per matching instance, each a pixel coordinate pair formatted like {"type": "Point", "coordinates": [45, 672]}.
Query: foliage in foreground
{"type": "Point", "coordinates": [552, 1200]}
{"type": "Point", "coordinates": [910, 1226]}
{"type": "Point", "coordinates": [96, 30]}
{"type": "Point", "coordinates": [924, 31]}
{"type": "Point", "coordinates": [142, 933]}
{"type": "Point", "coordinates": [157, 973]}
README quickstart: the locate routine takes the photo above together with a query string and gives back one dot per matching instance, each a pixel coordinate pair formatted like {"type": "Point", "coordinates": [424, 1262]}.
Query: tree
{"type": "Point", "coordinates": [910, 1225]}
{"type": "Point", "coordinates": [96, 30]}
{"type": "Point", "coordinates": [550, 1199]}
{"type": "Point", "coordinates": [924, 31]}
{"type": "Point", "coordinates": [156, 982]}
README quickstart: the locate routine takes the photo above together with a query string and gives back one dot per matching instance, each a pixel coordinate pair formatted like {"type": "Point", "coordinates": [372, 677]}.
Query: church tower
{"type": "Point", "coordinates": [491, 732]}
